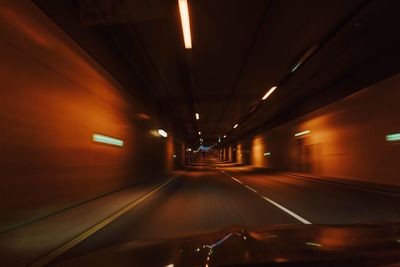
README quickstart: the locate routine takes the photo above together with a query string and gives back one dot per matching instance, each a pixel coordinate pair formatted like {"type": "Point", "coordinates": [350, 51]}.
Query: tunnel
{"type": "Point", "coordinates": [199, 133]}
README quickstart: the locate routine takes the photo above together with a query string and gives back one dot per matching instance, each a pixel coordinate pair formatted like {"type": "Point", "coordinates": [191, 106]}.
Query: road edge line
{"type": "Point", "coordinates": [75, 241]}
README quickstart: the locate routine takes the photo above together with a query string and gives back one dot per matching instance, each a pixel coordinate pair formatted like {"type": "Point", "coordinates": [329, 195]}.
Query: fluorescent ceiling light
{"type": "Point", "coordinates": [225, 136]}
{"type": "Point", "coordinates": [302, 133]}
{"type": "Point", "coordinates": [270, 91]}
{"type": "Point", "coordinates": [107, 140]}
{"type": "Point", "coordinates": [162, 133]}
{"type": "Point", "coordinates": [199, 132]}
{"type": "Point", "coordinates": [197, 116]}
{"type": "Point", "coordinates": [236, 125]}
{"type": "Point", "coordinates": [184, 11]}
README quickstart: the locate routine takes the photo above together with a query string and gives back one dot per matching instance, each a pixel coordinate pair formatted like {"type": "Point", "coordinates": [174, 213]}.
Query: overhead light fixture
{"type": "Point", "coordinates": [162, 133]}
{"type": "Point", "coordinates": [199, 133]}
{"type": "Point", "coordinates": [99, 138]}
{"type": "Point", "coordinates": [302, 133]}
{"type": "Point", "coordinates": [225, 136]}
{"type": "Point", "coordinates": [270, 91]}
{"type": "Point", "coordinates": [184, 11]}
{"type": "Point", "coordinates": [305, 57]}
{"type": "Point", "coordinates": [197, 116]}
{"type": "Point", "coordinates": [236, 125]}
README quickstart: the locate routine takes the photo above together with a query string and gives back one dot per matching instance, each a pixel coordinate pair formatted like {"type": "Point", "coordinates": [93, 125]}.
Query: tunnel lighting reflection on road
{"type": "Point", "coordinates": [162, 133]}
{"type": "Point", "coordinates": [270, 91]}
{"type": "Point", "coordinates": [107, 140]}
{"type": "Point", "coordinates": [197, 116]}
{"type": "Point", "coordinates": [302, 133]}
{"type": "Point", "coordinates": [184, 11]}
{"type": "Point", "coordinates": [236, 125]}
{"type": "Point", "coordinates": [393, 137]}
{"type": "Point", "coordinates": [267, 154]}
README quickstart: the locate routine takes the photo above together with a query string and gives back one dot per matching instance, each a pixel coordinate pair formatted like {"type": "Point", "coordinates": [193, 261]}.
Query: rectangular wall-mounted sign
{"type": "Point", "coordinates": [107, 140]}
{"type": "Point", "coordinates": [393, 137]}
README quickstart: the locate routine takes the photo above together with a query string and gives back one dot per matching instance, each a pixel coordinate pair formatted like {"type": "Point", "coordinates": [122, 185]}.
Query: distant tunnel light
{"type": "Point", "coordinates": [270, 91]}
{"type": "Point", "coordinates": [107, 140]}
{"type": "Point", "coordinates": [267, 154]}
{"type": "Point", "coordinates": [184, 11]}
{"type": "Point", "coordinates": [199, 133]}
{"type": "Point", "coordinates": [236, 125]}
{"type": "Point", "coordinates": [162, 133]}
{"type": "Point", "coordinates": [197, 116]}
{"type": "Point", "coordinates": [225, 136]}
{"type": "Point", "coordinates": [302, 133]}
{"type": "Point", "coordinates": [393, 137]}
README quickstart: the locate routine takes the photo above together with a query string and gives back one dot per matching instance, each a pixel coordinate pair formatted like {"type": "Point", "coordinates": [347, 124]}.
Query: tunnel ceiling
{"type": "Point", "coordinates": [240, 50]}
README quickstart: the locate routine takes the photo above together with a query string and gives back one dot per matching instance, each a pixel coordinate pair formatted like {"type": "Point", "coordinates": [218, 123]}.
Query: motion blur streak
{"type": "Point", "coordinates": [53, 97]}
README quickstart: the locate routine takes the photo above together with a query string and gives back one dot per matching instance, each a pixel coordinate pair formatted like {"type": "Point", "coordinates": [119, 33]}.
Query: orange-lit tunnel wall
{"type": "Point", "coordinates": [346, 138]}
{"type": "Point", "coordinates": [53, 98]}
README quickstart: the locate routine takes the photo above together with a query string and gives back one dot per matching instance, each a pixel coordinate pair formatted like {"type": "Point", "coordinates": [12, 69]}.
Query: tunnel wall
{"type": "Point", "coordinates": [346, 139]}
{"type": "Point", "coordinates": [53, 98]}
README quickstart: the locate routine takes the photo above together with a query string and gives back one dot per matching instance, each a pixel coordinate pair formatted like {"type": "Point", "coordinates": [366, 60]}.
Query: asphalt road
{"type": "Point", "coordinates": [211, 195]}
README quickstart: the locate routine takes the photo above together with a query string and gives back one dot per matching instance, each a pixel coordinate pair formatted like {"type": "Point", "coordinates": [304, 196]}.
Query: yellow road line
{"type": "Point", "coordinates": [54, 254]}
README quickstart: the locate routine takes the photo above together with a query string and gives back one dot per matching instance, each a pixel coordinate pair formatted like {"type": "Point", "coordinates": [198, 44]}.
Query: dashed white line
{"type": "Point", "coordinates": [248, 187]}
{"type": "Point", "coordinates": [287, 211]}
{"type": "Point", "coordinates": [236, 180]}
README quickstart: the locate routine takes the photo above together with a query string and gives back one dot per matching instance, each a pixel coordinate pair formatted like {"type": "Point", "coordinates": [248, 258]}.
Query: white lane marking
{"type": "Point", "coordinates": [255, 191]}
{"type": "Point", "coordinates": [236, 180]}
{"type": "Point", "coordinates": [54, 254]}
{"type": "Point", "coordinates": [287, 211]}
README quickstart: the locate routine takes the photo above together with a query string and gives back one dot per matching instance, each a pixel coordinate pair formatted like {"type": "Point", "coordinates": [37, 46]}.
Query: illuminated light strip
{"type": "Point", "coordinates": [162, 133]}
{"type": "Point", "coordinates": [197, 116]}
{"type": "Point", "coordinates": [287, 211]}
{"type": "Point", "coordinates": [184, 11]}
{"type": "Point", "coordinates": [306, 56]}
{"type": "Point", "coordinates": [236, 125]}
{"type": "Point", "coordinates": [54, 254]}
{"type": "Point", "coordinates": [107, 140]}
{"type": "Point", "coordinates": [267, 154]}
{"type": "Point", "coordinates": [313, 244]}
{"type": "Point", "coordinates": [393, 137]}
{"type": "Point", "coordinates": [248, 187]}
{"type": "Point", "coordinates": [270, 91]}
{"type": "Point", "coordinates": [302, 133]}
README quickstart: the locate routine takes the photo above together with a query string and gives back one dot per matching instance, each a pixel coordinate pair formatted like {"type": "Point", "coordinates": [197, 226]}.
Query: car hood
{"type": "Point", "coordinates": [288, 245]}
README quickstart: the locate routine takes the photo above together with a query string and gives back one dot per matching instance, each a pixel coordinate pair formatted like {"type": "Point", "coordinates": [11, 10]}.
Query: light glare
{"type": "Point", "coordinates": [302, 133]}
{"type": "Point", "coordinates": [162, 133]}
{"type": "Point", "coordinates": [184, 11]}
{"type": "Point", "coordinates": [270, 91]}
{"type": "Point", "coordinates": [393, 137]}
{"type": "Point", "coordinates": [107, 140]}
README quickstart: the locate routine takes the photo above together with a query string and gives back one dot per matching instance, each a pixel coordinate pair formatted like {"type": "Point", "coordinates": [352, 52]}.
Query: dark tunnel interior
{"type": "Point", "coordinates": [199, 133]}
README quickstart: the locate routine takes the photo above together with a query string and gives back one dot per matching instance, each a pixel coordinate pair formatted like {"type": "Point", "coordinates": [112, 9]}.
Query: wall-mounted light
{"type": "Point", "coordinates": [197, 116]}
{"type": "Point", "coordinates": [189, 149]}
{"type": "Point", "coordinates": [185, 21]}
{"type": "Point", "coordinates": [270, 91]}
{"type": "Point", "coordinates": [236, 125]}
{"type": "Point", "coordinates": [302, 133]}
{"type": "Point", "coordinates": [393, 137]}
{"type": "Point", "coordinates": [174, 156]}
{"type": "Point", "coordinates": [267, 154]}
{"type": "Point", "coordinates": [99, 138]}
{"type": "Point", "coordinates": [162, 133]}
